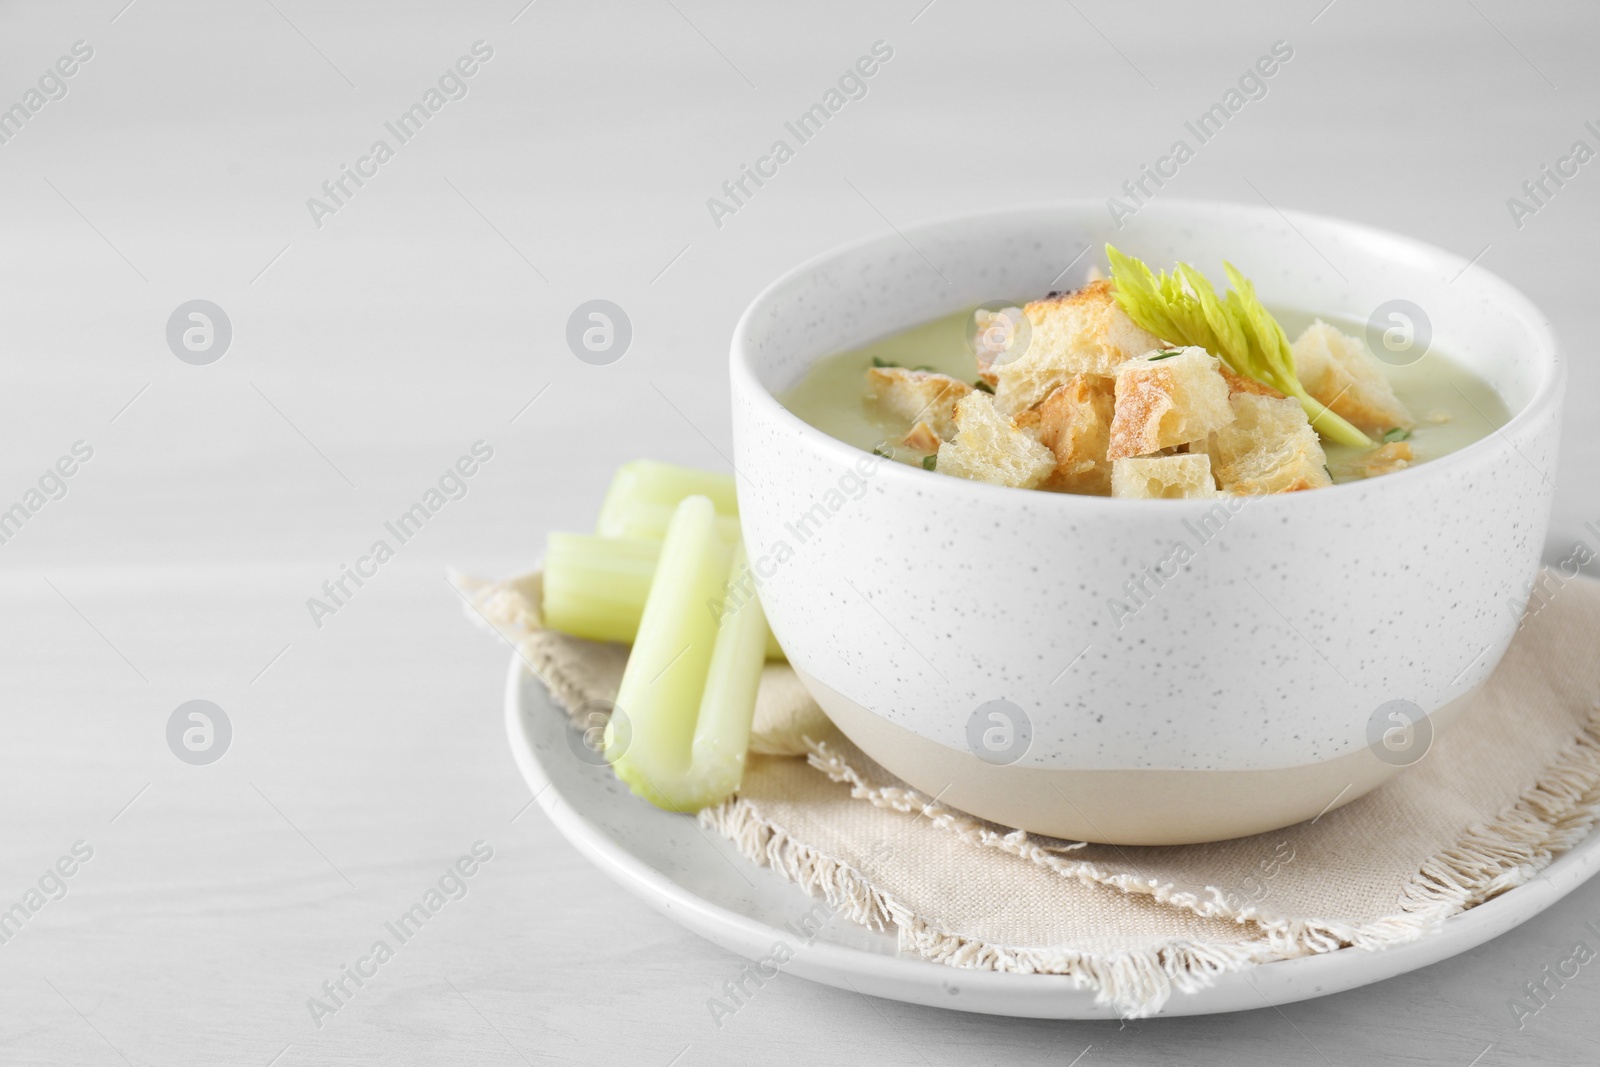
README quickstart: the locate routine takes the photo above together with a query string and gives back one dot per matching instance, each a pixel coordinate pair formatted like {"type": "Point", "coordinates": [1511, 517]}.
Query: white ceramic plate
{"type": "Point", "coordinates": [701, 882]}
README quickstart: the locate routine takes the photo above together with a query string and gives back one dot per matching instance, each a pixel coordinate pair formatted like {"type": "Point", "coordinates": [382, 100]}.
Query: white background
{"type": "Point", "coordinates": [370, 353]}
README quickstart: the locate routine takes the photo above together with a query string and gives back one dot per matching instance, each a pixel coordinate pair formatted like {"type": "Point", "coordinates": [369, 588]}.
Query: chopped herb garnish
{"type": "Point", "coordinates": [1164, 355]}
{"type": "Point", "coordinates": [878, 450]}
{"type": "Point", "coordinates": [923, 366]}
{"type": "Point", "coordinates": [983, 387]}
{"type": "Point", "coordinates": [930, 461]}
{"type": "Point", "coordinates": [879, 361]}
{"type": "Point", "coordinates": [1399, 433]}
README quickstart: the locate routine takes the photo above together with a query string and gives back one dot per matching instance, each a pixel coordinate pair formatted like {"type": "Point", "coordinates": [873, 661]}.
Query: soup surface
{"type": "Point", "coordinates": [1453, 407]}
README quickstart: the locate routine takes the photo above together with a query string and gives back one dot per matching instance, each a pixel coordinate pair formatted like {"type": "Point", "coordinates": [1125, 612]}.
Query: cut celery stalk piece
{"type": "Point", "coordinates": [689, 689]}
{"type": "Point", "coordinates": [644, 493]}
{"type": "Point", "coordinates": [595, 587]}
{"type": "Point", "coordinates": [728, 705]}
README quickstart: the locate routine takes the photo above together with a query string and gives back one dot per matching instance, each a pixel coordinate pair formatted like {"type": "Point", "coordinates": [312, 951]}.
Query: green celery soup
{"type": "Point", "coordinates": [1452, 406]}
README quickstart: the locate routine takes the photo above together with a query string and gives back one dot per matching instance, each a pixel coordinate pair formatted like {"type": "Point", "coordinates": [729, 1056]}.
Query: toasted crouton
{"type": "Point", "coordinates": [922, 438]}
{"type": "Point", "coordinates": [998, 337]}
{"type": "Point", "coordinates": [1386, 459]}
{"type": "Point", "coordinates": [1082, 332]}
{"type": "Point", "coordinates": [989, 447]}
{"type": "Point", "coordinates": [1269, 447]}
{"type": "Point", "coordinates": [1238, 383]}
{"type": "Point", "coordinates": [1167, 400]}
{"type": "Point", "coordinates": [1074, 422]}
{"type": "Point", "coordinates": [1163, 477]}
{"type": "Point", "coordinates": [917, 396]}
{"type": "Point", "coordinates": [1338, 371]}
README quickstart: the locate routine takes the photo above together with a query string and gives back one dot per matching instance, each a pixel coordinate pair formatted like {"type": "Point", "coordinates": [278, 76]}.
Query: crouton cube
{"type": "Point", "coordinates": [1386, 459]}
{"type": "Point", "coordinates": [1184, 476]}
{"type": "Point", "coordinates": [922, 438]}
{"type": "Point", "coordinates": [917, 396]}
{"type": "Point", "coordinates": [1269, 447]}
{"type": "Point", "coordinates": [1074, 422]}
{"type": "Point", "coordinates": [998, 337]}
{"type": "Point", "coordinates": [989, 447]}
{"type": "Point", "coordinates": [1081, 332]}
{"type": "Point", "coordinates": [1164, 400]}
{"type": "Point", "coordinates": [1238, 383]}
{"type": "Point", "coordinates": [1339, 372]}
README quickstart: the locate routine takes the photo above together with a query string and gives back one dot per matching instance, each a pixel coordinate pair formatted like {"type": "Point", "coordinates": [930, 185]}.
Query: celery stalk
{"type": "Point", "coordinates": [595, 587]}
{"type": "Point", "coordinates": [688, 690]}
{"type": "Point", "coordinates": [722, 732]}
{"type": "Point", "coordinates": [644, 493]}
{"type": "Point", "coordinates": [1182, 308]}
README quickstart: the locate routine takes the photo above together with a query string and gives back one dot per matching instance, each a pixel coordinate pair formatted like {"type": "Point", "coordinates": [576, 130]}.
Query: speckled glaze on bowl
{"type": "Point", "coordinates": [1255, 682]}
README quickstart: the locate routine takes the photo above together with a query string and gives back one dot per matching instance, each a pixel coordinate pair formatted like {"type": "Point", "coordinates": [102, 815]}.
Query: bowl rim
{"type": "Point", "coordinates": [1548, 393]}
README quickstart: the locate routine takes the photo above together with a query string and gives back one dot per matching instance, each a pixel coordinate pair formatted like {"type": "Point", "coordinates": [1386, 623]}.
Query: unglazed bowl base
{"type": "Point", "coordinates": [1114, 807]}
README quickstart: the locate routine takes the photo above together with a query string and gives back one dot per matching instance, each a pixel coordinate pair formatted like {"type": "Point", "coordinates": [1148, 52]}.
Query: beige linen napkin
{"type": "Point", "coordinates": [1513, 782]}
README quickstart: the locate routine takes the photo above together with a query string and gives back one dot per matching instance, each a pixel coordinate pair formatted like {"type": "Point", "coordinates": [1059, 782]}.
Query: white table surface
{"type": "Point", "coordinates": [368, 753]}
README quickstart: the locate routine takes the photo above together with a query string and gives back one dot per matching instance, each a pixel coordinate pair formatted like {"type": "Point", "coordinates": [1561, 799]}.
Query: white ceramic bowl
{"type": "Point", "coordinates": [1298, 650]}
